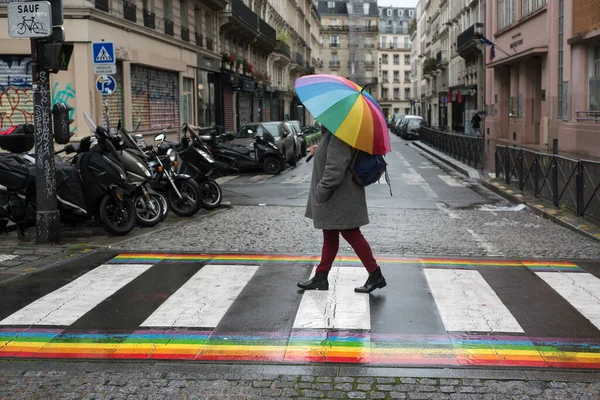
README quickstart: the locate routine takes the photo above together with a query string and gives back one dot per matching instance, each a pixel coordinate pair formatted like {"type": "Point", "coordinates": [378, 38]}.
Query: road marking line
{"type": "Point", "coordinates": [582, 290]}
{"type": "Point", "coordinates": [413, 179]}
{"type": "Point", "coordinates": [224, 179]}
{"type": "Point", "coordinates": [204, 299]}
{"type": "Point", "coordinates": [7, 257]}
{"type": "Point", "coordinates": [339, 307]}
{"type": "Point", "coordinates": [66, 305]}
{"type": "Point", "coordinates": [490, 249]}
{"type": "Point", "coordinates": [258, 178]}
{"type": "Point", "coordinates": [296, 178]}
{"type": "Point", "coordinates": [429, 191]}
{"type": "Point", "coordinates": [406, 163]}
{"type": "Point", "coordinates": [451, 181]}
{"type": "Point", "coordinates": [444, 208]}
{"type": "Point", "coordinates": [467, 303]}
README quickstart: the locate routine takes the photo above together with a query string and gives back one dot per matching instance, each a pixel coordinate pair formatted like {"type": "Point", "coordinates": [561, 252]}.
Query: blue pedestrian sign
{"type": "Point", "coordinates": [103, 58]}
{"type": "Point", "coordinates": [103, 52]}
{"type": "Point", "coordinates": [106, 85]}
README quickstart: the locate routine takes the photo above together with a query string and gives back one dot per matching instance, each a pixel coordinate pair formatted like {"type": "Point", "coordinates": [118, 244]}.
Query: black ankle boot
{"type": "Point", "coordinates": [318, 282]}
{"type": "Point", "coordinates": [375, 281]}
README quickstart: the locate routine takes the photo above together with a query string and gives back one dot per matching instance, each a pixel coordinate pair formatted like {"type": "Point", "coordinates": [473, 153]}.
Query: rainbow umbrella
{"type": "Point", "coordinates": [349, 113]}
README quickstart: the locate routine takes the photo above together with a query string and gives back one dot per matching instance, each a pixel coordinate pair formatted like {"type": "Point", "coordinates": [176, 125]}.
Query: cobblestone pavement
{"type": "Point", "coordinates": [60, 384]}
{"type": "Point", "coordinates": [17, 260]}
{"type": "Point", "coordinates": [403, 232]}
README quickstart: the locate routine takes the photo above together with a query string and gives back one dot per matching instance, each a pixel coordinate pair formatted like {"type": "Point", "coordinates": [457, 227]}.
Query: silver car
{"type": "Point", "coordinates": [294, 126]}
{"type": "Point", "coordinates": [284, 138]}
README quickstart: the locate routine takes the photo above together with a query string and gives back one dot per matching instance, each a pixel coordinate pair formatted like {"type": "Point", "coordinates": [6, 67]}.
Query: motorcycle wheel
{"type": "Point", "coordinates": [165, 205]}
{"type": "Point", "coordinates": [211, 194]}
{"type": "Point", "coordinates": [117, 217]}
{"type": "Point", "coordinates": [192, 198]}
{"type": "Point", "coordinates": [145, 216]}
{"type": "Point", "coordinates": [272, 165]}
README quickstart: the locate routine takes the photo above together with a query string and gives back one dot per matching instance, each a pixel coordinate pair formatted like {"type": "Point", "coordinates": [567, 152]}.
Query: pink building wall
{"type": "Point", "coordinates": [531, 70]}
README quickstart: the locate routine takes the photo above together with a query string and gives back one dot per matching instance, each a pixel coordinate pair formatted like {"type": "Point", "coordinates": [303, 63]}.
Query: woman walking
{"type": "Point", "coordinates": [337, 205]}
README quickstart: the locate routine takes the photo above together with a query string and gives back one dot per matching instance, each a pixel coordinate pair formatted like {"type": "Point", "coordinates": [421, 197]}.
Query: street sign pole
{"type": "Point", "coordinates": [48, 216]}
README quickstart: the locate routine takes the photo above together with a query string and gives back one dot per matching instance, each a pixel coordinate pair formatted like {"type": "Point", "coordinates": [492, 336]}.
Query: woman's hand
{"type": "Point", "coordinates": [313, 148]}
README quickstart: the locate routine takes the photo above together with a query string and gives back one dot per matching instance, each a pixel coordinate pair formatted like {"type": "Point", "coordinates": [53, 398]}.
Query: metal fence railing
{"type": "Point", "coordinates": [574, 184]}
{"type": "Point", "coordinates": [468, 149]}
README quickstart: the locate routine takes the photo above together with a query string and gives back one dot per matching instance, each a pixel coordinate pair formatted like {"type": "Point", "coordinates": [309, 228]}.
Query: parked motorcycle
{"type": "Point", "coordinates": [93, 185]}
{"type": "Point", "coordinates": [183, 193]}
{"type": "Point", "coordinates": [263, 153]}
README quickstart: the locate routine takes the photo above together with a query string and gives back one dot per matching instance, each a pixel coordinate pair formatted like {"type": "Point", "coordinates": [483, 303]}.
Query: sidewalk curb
{"type": "Point", "coordinates": [457, 165]}
{"type": "Point", "coordinates": [537, 210]}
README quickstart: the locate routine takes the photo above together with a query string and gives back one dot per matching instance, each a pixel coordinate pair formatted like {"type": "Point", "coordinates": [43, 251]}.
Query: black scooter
{"type": "Point", "coordinates": [93, 185]}
{"type": "Point", "coordinates": [263, 154]}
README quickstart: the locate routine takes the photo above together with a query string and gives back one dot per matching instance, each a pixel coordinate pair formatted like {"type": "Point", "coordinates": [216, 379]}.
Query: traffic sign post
{"type": "Point", "coordinates": [106, 85]}
{"type": "Point", "coordinates": [103, 58]}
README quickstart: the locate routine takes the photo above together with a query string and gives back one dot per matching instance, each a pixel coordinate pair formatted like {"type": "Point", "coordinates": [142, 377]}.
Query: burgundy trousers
{"type": "Point", "coordinates": [331, 244]}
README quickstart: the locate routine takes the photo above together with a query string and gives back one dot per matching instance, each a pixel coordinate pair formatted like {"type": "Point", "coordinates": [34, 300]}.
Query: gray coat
{"type": "Point", "coordinates": [334, 200]}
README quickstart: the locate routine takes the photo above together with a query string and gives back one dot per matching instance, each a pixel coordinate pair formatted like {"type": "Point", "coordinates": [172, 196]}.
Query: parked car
{"type": "Point", "coordinates": [396, 121]}
{"type": "Point", "coordinates": [296, 128]}
{"type": "Point", "coordinates": [411, 127]}
{"type": "Point", "coordinates": [284, 138]}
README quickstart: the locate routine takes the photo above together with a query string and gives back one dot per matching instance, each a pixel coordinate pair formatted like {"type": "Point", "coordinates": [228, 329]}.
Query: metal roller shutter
{"type": "Point", "coordinates": [16, 95]}
{"type": "Point", "coordinates": [154, 98]}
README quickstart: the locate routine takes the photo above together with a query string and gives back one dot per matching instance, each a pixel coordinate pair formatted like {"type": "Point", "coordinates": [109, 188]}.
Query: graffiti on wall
{"type": "Point", "coordinates": [154, 98]}
{"type": "Point", "coordinates": [16, 95]}
{"type": "Point", "coordinates": [65, 94]}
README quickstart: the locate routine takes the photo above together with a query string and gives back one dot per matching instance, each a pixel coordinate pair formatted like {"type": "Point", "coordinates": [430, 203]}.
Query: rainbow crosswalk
{"type": "Point", "coordinates": [245, 307]}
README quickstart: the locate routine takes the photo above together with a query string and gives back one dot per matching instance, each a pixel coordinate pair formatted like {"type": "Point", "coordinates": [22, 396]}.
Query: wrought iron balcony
{"type": "Point", "coordinates": [267, 31]}
{"type": "Point", "coordinates": [334, 64]}
{"type": "Point", "coordinates": [298, 59]}
{"type": "Point", "coordinates": [169, 27]}
{"type": "Point", "coordinates": [244, 14]}
{"type": "Point", "coordinates": [467, 43]}
{"type": "Point", "coordinates": [103, 5]}
{"type": "Point", "coordinates": [210, 44]}
{"type": "Point", "coordinates": [369, 64]}
{"type": "Point", "coordinates": [129, 11]}
{"type": "Point", "coordinates": [185, 34]}
{"type": "Point", "coordinates": [199, 40]}
{"type": "Point", "coordinates": [283, 48]}
{"type": "Point", "coordinates": [149, 19]}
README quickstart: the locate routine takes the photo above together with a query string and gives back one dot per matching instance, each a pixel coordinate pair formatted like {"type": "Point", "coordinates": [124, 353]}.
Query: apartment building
{"type": "Point", "coordinates": [450, 60]}
{"type": "Point", "coordinates": [349, 37]}
{"type": "Point", "coordinates": [544, 81]}
{"type": "Point", "coordinates": [198, 61]}
{"type": "Point", "coordinates": [395, 59]}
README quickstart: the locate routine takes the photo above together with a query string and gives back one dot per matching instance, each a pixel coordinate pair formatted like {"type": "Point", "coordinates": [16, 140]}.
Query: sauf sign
{"type": "Point", "coordinates": [30, 20]}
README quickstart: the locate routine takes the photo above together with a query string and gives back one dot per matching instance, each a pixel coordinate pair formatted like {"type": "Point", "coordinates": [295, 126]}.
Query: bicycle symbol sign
{"type": "Point", "coordinates": [30, 20]}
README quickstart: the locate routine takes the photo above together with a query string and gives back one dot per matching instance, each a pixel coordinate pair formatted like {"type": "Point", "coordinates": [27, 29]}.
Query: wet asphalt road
{"type": "Point", "coordinates": [417, 183]}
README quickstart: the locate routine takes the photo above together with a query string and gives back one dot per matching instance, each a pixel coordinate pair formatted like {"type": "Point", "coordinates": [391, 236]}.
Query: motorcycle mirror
{"type": "Point", "coordinates": [139, 136]}
{"type": "Point", "coordinates": [89, 122]}
{"type": "Point", "coordinates": [160, 137]}
{"type": "Point", "coordinates": [164, 131]}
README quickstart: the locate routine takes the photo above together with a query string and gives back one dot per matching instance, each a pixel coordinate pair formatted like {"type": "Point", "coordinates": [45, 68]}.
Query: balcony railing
{"type": "Point", "coordinates": [334, 44]}
{"type": "Point", "coordinates": [267, 30]}
{"type": "Point", "coordinates": [396, 30]}
{"type": "Point", "coordinates": [185, 34]}
{"type": "Point", "coordinates": [102, 5]}
{"type": "Point", "coordinates": [149, 19]}
{"type": "Point", "coordinates": [209, 44]}
{"type": "Point", "coordinates": [282, 47]}
{"type": "Point", "coordinates": [369, 45]}
{"type": "Point", "coordinates": [339, 28]}
{"type": "Point", "coordinates": [129, 11]}
{"type": "Point", "coordinates": [369, 64]}
{"type": "Point", "coordinates": [298, 59]}
{"type": "Point", "coordinates": [199, 40]}
{"type": "Point", "coordinates": [245, 14]}
{"type": "Point", "coordinates": [334, 64]}
{"type": "Point", "coordinates": [169, 28]}
{"type": "Point", "coordinates": [466, 37]}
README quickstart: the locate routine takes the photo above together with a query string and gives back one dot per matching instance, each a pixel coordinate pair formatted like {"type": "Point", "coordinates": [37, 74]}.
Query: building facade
{"type": "Point", "coordinates": [197, 61]}
{"type": "Point", "coordinates": [349, 36]}
{"type": "Point", "coordinates": [544, 81]}
{"type": "Point", "coordinates": [450, 62]}
{"type": "Point", "coordinates": [395, 59]}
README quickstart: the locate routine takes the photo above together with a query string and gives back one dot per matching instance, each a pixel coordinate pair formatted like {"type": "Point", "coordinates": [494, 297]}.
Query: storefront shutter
{"type": "Point", "coordinates": [16, 95]}
{"type": "Point", "coordinates": [154, 97]}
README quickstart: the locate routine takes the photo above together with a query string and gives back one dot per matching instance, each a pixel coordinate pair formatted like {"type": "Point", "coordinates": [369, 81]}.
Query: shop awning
{"type": "Point", "coordinates": [532, 52]}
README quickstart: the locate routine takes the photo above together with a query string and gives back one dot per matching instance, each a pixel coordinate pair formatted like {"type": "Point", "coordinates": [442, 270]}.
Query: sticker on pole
{"type": "Point", "coordinates": [103, 58]}
{"type": "Point", "coordinates": [106, 85]}
{"type": "Point", "coordinates": [30, 20]}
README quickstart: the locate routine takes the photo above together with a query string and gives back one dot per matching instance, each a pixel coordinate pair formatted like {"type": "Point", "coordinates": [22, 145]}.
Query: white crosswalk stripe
{"type": "Point", "coordinates": [582, 290]}
{"type": "Point", "coordinates": [204, 299]}
{"type": "Point", "coordinates": [225, 179]}
{"type": "Point", "coordinates": [467, 303]}
{"type": "Point", "coordinates": [69, 303]}
{"type": "Point", "coordinates": [259, 178]}
{"type": "Point", "coordinates": [451, 181]}
{"type": "Point", "coordinates": [297, 178]}
{"type": "Point", "coordinates": [7, 257]}
{"type": "Point", "coordinates": [339, 307]}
